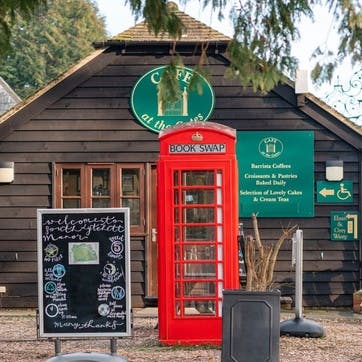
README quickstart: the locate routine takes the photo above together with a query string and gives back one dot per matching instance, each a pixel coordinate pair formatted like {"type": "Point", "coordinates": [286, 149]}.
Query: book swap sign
{"type": "Point", "coordinates": [276, 173]}
{"type": "Point", "coordinates": [83, 272]}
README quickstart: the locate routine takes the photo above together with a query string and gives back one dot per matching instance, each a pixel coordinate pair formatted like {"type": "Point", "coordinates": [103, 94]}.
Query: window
{"type": "Point", "coordinates": [71, 186]}
{"type": "Point", "coordinates": [102, 186]}
{"type": "Point", "coordinates": [130, 193]}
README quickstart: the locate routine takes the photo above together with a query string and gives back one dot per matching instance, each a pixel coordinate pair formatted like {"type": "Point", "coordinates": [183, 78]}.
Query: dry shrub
{"type": "Point", "coordinates": [260, 257]}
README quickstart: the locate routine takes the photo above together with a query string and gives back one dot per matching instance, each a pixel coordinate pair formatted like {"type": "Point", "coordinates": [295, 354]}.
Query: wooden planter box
{"type": "Point", "coordinates": [251, 326]}
{"type": "Point", "coordinates": [357, 302]}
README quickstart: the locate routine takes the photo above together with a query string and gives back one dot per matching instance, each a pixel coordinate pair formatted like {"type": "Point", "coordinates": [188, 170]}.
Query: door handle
{"type": "Point", "coordinates": [153, 235]}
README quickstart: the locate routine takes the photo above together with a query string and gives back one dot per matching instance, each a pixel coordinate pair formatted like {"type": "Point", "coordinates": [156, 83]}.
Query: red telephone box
{"type": "Point", "coordinates": [197, 230]}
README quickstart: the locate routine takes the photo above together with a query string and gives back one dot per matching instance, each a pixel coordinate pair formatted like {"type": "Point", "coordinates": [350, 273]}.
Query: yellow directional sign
{"type": "Point", "coordinates": [344, 225]}
{"type": "Point", "coordinates": [352, 225]}
{"type": "Point", "coordinates": [334, 192]}
{"type": "Point", "coordinates": [326, 192]}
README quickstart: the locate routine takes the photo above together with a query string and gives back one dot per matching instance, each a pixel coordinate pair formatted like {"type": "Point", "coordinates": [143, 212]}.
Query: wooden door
{"type": "Point", "coordinates": [151, 241]}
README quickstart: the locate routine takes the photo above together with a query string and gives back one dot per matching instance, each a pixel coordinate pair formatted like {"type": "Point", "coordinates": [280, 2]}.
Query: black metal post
{"type": "Point", "coordinates": [113, 346]}
{"type": "Point", "coordinates": [57, 346]}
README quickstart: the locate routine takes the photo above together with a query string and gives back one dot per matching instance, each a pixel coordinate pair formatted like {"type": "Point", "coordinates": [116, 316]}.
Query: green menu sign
{"type": "Point", "coordinates": [276, 173]}
{"type": "Point", "coordinates": [191, 104]}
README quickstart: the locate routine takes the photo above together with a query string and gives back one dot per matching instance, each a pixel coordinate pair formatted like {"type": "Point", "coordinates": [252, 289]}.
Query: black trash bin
{"type": "Point", "coordinates": [251, 326]}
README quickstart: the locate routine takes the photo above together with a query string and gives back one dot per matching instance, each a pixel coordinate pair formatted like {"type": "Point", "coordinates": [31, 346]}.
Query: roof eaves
{"type": "Point", "coordinates": [322, 105]}
{"type": "Point", "coordinates": [343, 119]}
{"type": "Point", "coordinates": [50, 93]}
{"type": "Point", "coordinates": [48, 86]}
{"type": "Point", "coordinates": [129, 46]}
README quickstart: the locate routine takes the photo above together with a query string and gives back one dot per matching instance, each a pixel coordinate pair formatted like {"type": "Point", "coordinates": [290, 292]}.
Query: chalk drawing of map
{"type": "Point", "coordinates": [83, 253]}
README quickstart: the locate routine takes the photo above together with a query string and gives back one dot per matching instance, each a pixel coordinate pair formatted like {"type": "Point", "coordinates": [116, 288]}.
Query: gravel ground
{"type": "Point", "coordinates": [342, 343]}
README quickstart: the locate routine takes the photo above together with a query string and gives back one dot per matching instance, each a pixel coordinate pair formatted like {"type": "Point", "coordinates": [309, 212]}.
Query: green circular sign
{"type": "Point", "coordinates": [191, 105]}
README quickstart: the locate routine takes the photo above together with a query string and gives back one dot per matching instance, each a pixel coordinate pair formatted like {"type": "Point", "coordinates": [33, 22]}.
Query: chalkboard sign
{"type": "Point", "coordinates": [83, 272]}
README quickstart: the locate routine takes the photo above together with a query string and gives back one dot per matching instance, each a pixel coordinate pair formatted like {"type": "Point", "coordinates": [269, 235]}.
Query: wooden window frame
{"type": "Point", "coordinates": [135, 229]}
{"type": "Point", "coordinates": [86, 195]}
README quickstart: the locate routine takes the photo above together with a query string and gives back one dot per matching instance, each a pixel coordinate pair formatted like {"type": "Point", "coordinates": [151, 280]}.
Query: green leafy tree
{"type": "Point", "coordinates": [56, 36]}
{"type": "Point", "coordinates": [9, 10]}
{"type": "Point", "coordinates": [264, 30]}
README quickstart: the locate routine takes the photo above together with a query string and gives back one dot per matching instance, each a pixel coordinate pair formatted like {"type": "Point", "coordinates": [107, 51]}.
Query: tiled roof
{"type": "Point", "coordinates": [8, 98]}
{"type": "Point", "coordinates": [195, 31]}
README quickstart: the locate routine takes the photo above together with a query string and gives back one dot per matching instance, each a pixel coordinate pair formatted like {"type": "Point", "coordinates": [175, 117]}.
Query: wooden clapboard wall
{"type": "Point", "coordinates": [86, 117]}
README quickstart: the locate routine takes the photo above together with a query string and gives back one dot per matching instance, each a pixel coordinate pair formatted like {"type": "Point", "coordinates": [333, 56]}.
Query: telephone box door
{"type": "Point", "coordinates": [197, 212]}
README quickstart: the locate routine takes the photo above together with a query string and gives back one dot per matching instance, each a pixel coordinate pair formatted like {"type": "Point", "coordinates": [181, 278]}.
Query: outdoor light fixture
{"type": "Point", "coordinates": [334, 170]}
{"type": "Point", "coordinates": [6, 172]}
{"type": "Point", "coordinates": [301, 86]}
{"type": "Point", "coordinates": [301, 81]}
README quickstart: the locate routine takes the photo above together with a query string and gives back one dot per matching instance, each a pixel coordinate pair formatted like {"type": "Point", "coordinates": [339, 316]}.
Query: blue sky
{"type": "Point", "coordinates": [118, 18]}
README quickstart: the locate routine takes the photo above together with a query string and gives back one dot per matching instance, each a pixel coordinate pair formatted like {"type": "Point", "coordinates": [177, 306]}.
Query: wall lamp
{"type": "Point", "coordinates": [6, 172]}
{"type": "Point", "coordinates": [334, 170]}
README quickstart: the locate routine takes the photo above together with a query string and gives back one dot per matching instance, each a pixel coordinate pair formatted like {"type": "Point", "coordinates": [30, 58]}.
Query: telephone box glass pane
{"type": "Point", "coordinates": [219, 178]}
{"type": "Point", "coordinates": [199, 252]}
{"type": "Point", "coordinates": [176, 197]}
{"type": "Point", "coordinates": [219, 215]}
{"type": "Point", "coordinates": [220, 271]}
{"type": "Point", "coordinates": [193, 270]}
{"type": "Point", "coordinates": [199, 233]}
{"type": "Point", "coordinates": [199, 215]}
{"type": "Point", "coordinates": [200, 178]}
{"type": "Point", "coordinates": [219, 253]}
{"type": "Point", "coordinates": [177, 271]}
{"type": "Point", "coordinates": [177, 234]}
{"type": "Point", "coordinates": [177, 290]}
{"type": "Point", "coordinates": [178, 308]}
{"type": "Point", "coordinates": [199, 289]}
{"type": "Point", "coordinates": [178, 255]}
{"type": "Point", "coordinates": [219, 234]}
{"type": "Point", "coordinates": [100, 182]}
{"type": "Point", "coordinates": [198, 197]}
{"type": "Point", "coordinates": [219, 197]}
{"type": "Point", "coordinates": [199, 307]}
{"type": "Point", "coordinates": [175, 178]}
{"type": "Point", "coordinates": [71, 182]}
{"type": "Point", "coordinates": [176, 216]}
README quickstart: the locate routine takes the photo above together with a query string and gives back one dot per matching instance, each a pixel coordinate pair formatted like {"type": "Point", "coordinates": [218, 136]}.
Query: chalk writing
{"type": "Point", "coordinates": [84, 272]}
{"type": "Point", "coordinates": [89, 325]}
{"type": "Point", "coordinates": [79, 229]}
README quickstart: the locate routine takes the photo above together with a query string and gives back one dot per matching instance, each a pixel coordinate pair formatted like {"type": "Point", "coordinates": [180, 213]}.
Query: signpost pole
{"type": "Point", "coordinates": [299, 275]}
{"type": "Point", "coordinates": [300, 327]}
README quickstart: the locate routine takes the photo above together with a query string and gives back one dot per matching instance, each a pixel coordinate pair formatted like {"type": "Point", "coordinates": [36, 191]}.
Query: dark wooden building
{"type": "Point", "coordinates": [79, 132]}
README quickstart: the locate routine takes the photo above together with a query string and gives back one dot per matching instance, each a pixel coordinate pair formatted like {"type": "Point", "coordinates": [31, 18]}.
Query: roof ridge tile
{"type": "Point", "coordinates": [195, 31]}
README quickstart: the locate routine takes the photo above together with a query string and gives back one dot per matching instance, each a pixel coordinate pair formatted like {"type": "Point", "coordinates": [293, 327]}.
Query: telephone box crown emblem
{"type": "Point", "coordinates": [197, 137]}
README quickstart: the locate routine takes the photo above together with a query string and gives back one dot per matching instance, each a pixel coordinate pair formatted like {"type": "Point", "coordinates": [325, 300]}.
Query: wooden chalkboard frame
{"type": "Point", "coordinates": [84, 272]}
